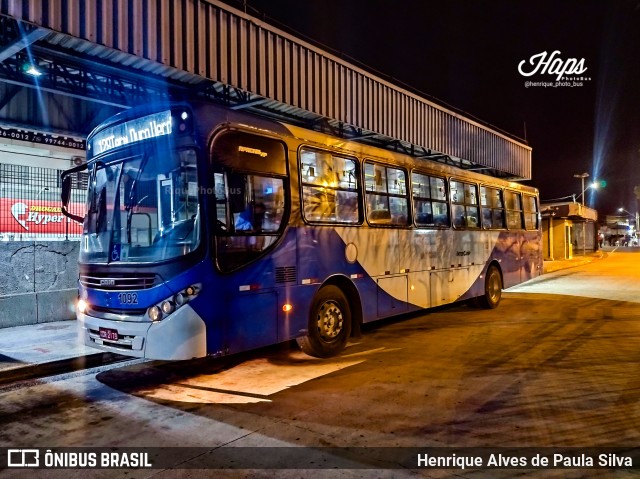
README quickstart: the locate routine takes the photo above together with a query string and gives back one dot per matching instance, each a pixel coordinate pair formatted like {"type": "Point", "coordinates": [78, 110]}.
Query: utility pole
{"type": "Point", "coordinates": [582, 176]}
{"type": "Point", "coordinates": [636, 190]}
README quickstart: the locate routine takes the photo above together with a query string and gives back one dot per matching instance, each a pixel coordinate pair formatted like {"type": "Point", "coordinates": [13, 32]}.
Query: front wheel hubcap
{"type": "Point", "coordinates": [330, 321]}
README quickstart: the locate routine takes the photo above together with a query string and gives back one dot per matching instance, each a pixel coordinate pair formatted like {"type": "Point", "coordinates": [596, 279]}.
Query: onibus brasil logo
{"type": "Point", "coordinates": [545, 64]}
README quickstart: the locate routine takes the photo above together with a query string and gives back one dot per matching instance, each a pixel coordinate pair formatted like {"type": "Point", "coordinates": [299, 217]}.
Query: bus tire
{"type": "Point", "coordinates": [492, 289]}
{"type": "Point", "coordinates": [329, 325]}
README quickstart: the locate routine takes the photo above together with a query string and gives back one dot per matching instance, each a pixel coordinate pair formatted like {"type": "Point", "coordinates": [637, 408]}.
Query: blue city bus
{"type": "Point", "coordinates": [209, 231]}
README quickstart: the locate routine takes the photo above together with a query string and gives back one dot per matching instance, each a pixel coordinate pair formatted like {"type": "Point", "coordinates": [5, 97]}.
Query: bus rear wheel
{"type": "Point", "coordinates": [492, 289]}
{"type": "Point", "coordinates": [329, 325]}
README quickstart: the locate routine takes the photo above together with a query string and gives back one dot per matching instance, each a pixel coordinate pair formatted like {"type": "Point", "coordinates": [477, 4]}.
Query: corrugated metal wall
{"type": "Point", "coordinates": [46, 111]}
{"type": "Point", "coordinates": [215, 41]}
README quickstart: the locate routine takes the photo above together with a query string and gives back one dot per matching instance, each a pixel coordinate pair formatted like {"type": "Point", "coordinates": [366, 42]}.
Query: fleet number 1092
{"type": "Point", "coordinates": [128, 298]}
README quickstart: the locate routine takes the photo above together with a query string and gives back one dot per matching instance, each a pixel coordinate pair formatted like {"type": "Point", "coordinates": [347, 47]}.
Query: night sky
{"type": "Point", "coordinates": [466, 53]}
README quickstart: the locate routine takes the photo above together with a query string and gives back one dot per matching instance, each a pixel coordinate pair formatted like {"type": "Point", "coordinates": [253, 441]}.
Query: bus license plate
{"type": "Point", "coordinates": [109, 334]}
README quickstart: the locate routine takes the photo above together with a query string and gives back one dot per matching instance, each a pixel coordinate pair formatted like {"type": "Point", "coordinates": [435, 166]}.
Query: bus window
{"type": "Point", "coordinates": [386, 192]}
{"type": "Point", "coordinates": [255, 202]}
{"type": "Point", "coordinates": [329, 187]}
{"type": "Point", "coordinates": [492, 208]}
{"type": "Point", "coordinates": [221, 200]}
{"type": "Point", "coordinates": [250, 200]}
{"type": "Point", "coordinates": [530, 212]}
{"type": "Point", "coordinates": [430, 206]}
{"type": "Point", "coordinates": [145, 207]}
{"type": "Point", "coordinates": [464, 199]}
{"type": "Point", "coordinates": [250, 216]}
{"type": "Point", "coordinates": [513, 202]}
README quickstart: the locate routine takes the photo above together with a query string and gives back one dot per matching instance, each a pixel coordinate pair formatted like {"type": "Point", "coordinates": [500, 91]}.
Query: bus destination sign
{"type": "Point", "coordinates": [132, 131]}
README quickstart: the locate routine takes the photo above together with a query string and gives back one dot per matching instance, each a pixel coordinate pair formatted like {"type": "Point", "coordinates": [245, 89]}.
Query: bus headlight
{"type": "Point", "coordinates": [168, 307]}
{"type": "Point", "coordinates": [82, 306]}
{"type": "Point", "coordinates": [179, 299]}
{"type": "Point", "coordinates": [185, 295]}
{"type": "Point", "coordinates": [155, 313]}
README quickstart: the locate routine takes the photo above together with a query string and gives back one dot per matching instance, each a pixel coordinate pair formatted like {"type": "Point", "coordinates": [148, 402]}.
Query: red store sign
{"type": "Point", "coordinates": [37, 217]}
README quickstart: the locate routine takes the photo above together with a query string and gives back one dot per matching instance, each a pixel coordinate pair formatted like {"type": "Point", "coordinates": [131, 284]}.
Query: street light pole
{"type": "Point", "coordinates": [582, 176]}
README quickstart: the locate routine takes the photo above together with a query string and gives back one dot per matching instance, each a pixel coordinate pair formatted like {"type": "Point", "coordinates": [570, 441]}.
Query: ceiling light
{"type": "Point", "coordinates": [33, 71]}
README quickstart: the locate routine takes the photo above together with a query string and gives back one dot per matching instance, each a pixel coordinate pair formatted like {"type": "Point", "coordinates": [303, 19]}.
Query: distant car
{"type": "Point", "coordinates": [615, 240]}
{"type": "Point", "coordinates": [622, 240]}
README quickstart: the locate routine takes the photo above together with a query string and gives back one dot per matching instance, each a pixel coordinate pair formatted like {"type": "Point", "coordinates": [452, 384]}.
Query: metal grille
{"type": "Point", "coordinates": [30, 204]}
{"type": "Point", "coordinates": [120, 282]}
{"type": "Point", "coordinates": [286, 274]}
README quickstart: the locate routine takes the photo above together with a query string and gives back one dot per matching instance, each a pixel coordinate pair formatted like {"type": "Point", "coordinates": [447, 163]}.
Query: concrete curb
{"type": "Point", "coordinates": [552, 266]}
{"type": "Point", "coordinates": [52, 368]}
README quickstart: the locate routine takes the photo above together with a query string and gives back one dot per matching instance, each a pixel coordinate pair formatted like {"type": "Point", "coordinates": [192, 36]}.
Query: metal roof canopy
{"type": "Point", "coordinates": [177, 49]}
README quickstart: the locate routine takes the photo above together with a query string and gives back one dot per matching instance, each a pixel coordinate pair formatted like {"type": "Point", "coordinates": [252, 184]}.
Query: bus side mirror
{"type": "Point", "coordinates": [65, 194]}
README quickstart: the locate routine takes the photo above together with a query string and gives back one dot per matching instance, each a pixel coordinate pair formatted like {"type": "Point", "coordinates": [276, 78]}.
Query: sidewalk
{"type": "Point", "coordinates": [42, 349]}
{"type": "Point", "coordinates": [52, 348]}
{"type": "Point", "coordinates": [551, 266]}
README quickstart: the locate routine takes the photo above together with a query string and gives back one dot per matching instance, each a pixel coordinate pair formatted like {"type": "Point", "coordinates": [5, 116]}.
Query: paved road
{"type": "Point", "coordinates": [555, 365]}
{"type": "Point", "coordinates": [615, 278]}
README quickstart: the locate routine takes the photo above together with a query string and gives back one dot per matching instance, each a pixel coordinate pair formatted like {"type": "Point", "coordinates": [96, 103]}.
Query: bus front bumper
{"type": "Point", "coordinates": [181, 335]}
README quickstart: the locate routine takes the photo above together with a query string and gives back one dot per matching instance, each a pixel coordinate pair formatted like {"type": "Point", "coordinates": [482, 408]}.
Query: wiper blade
{"type": "Point", "coordinates": [129, 207]}
{"type": "Point", "coordinates": [92, 181]}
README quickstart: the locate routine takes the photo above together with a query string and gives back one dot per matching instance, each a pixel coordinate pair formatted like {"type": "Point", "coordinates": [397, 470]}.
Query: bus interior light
{"type": "Point", "coordinates": [155, 313]}
{"type": "Point", "coordinates": [32, 70]}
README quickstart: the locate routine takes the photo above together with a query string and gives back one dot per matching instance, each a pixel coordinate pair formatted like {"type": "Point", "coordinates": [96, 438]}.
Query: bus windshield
{"type": "Point", "coordinates": [142, 209]}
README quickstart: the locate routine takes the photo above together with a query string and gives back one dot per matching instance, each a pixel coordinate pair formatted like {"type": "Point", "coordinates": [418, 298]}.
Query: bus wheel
{"type": "Point", "coordinates": [492, 289]}
{"type": "Point", "coordinates": [329, 324]}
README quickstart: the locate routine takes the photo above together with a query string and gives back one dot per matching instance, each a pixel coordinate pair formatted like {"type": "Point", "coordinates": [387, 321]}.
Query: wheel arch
{"type": "Point", "coordinates": [353, 297]}
{"type": "Point", "coordinates": [496, 263]}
